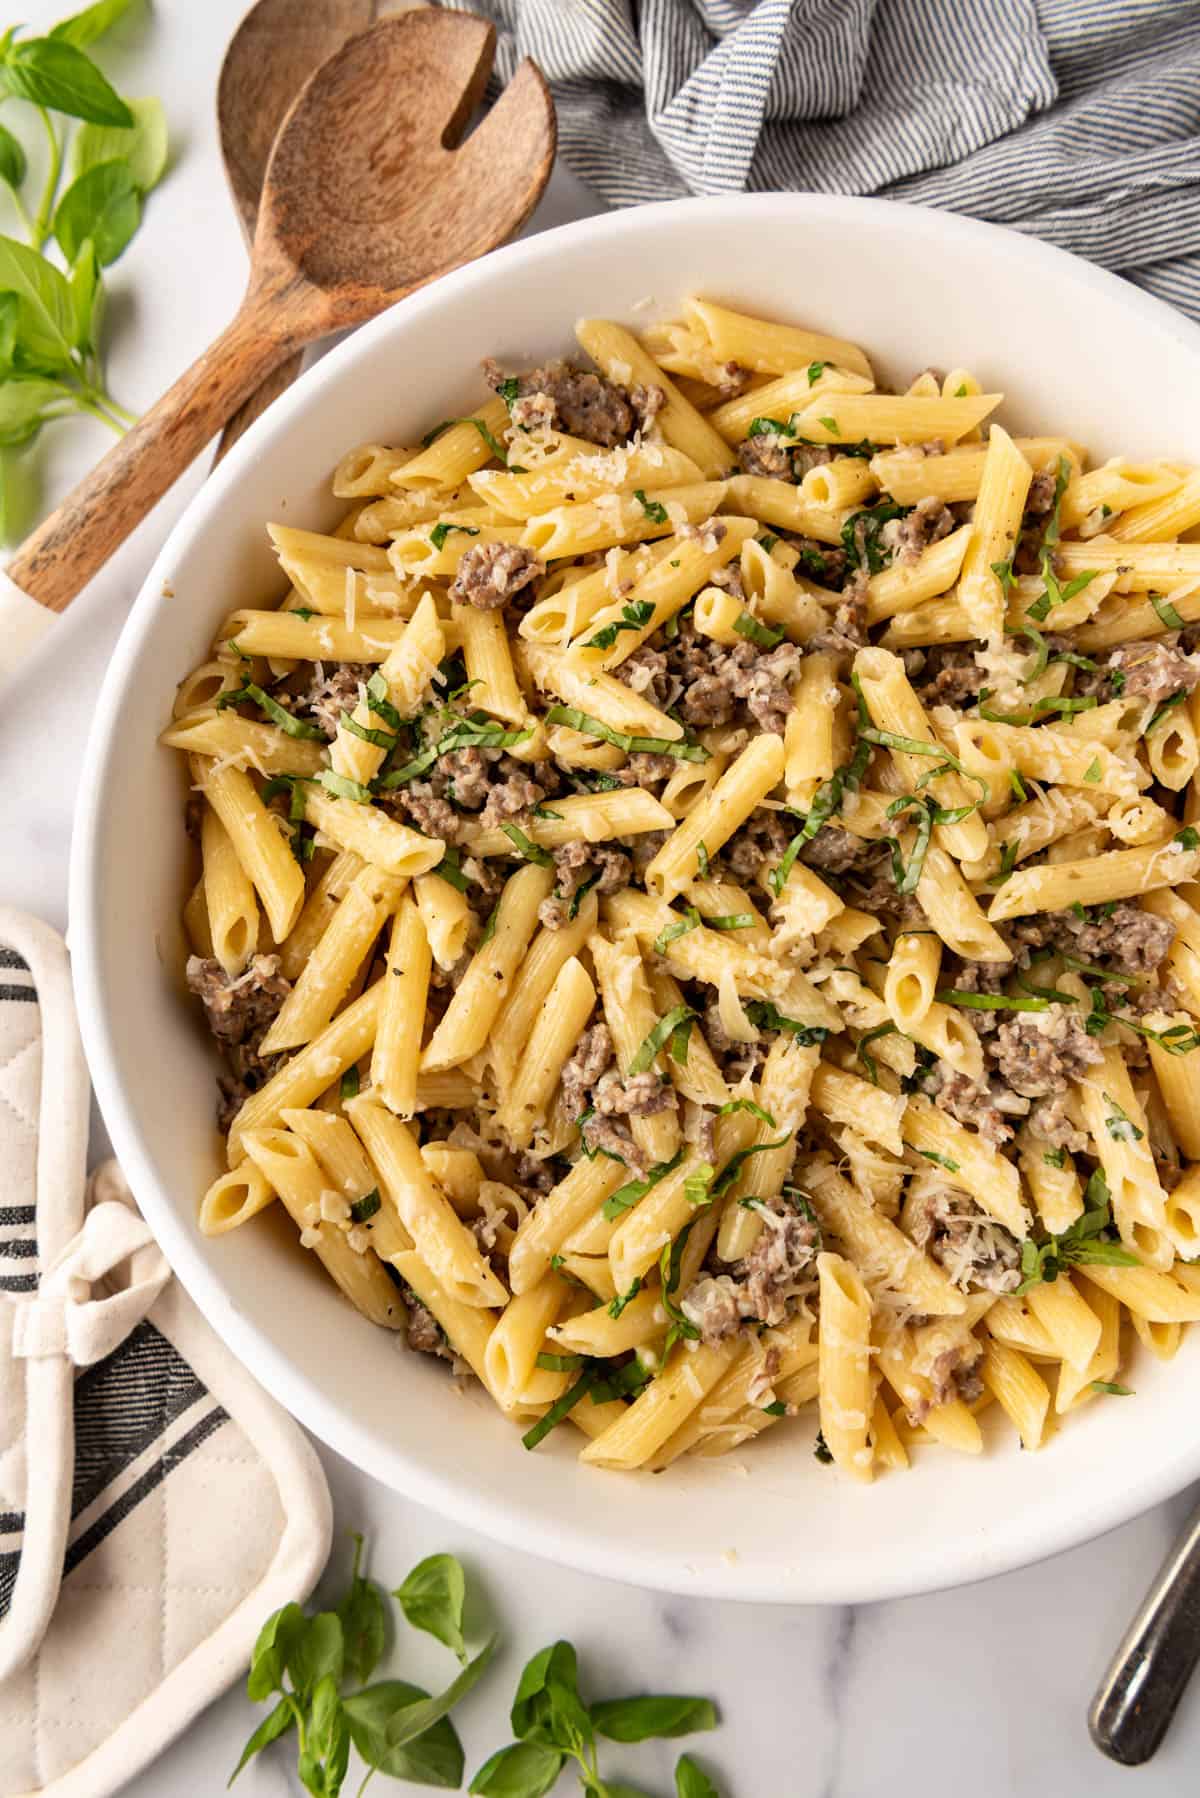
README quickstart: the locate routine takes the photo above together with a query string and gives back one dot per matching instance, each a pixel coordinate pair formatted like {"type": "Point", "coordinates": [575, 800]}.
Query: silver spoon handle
{"type": "Point", "coordinates": [1137, 1697]}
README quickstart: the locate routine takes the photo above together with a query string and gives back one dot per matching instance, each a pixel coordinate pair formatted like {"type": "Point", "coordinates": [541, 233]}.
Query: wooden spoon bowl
{"type": "Point", "coordinates": [276, 48]}
{"type": "Point", "coordinates": [370, 193]}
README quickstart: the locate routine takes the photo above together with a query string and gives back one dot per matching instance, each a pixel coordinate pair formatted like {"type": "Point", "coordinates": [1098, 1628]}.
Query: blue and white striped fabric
{"type": "Point", "coordinates": [1075, 120]}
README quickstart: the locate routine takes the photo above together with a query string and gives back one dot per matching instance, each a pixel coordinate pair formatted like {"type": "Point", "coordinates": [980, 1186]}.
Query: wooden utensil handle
{"type": "Point", "coordinates": [262, 397]}
{"type": "Point", "coordinates": [62, 555]}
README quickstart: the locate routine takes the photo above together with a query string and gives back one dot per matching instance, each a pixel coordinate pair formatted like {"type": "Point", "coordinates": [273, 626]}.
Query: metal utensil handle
{"type": "Point", "coordinates": [1136, 1700]}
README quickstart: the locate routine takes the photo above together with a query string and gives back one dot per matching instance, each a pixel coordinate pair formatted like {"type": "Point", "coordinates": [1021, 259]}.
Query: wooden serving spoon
{"type": "Point", "coordinates": [364, 201]}
{"type": "Point", "coordinates": [274, 50]}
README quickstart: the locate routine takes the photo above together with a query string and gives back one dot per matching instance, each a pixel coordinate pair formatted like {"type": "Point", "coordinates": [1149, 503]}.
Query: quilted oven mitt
{"type": "Point", "coordinates": [155, 1505]}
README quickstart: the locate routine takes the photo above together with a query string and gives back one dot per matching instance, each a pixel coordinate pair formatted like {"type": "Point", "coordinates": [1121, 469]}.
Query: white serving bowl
{"type": "Point", "coordinates": [1075, 350]}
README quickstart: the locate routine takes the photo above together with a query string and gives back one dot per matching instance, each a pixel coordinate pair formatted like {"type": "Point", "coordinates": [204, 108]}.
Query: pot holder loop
{"type": "Point", "coordinates": [64, 1318]}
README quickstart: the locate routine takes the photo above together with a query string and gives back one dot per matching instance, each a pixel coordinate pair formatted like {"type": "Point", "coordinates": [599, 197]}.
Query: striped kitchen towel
{"type": "Point", "coordinates": [1075, 120]}
{"type": "Point", "coordinates": [155, 1505]}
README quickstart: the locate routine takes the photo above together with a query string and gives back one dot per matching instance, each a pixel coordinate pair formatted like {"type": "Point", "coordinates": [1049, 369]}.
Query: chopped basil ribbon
{"type": "Point", "coordinates": [951, 995]}
{"type": "Point", "coordinates": [305, 612]}
{"type": "Point", "coordinates": [625, 1382]}
{"type": "Point", "coordinates": [382, 739]}
{"type": "Point", "coordinates": [768, 541]}
{"type": "Point", "coordinates": [1054, 595]}
{"type": "Point", "coordinates": [618, 1304]}
{"type": "Point", "coordinates": [951, 1167]}
{"type": "Point", "coordinates": [860, 1048]}
{"type": "Point", "coordinates": [1119, 1124]}
{"type": "Point", "coordinates": [764, 1117]}
{"type": "Point", "coordinates": [1003, 572]}
{"type": "Point", "coordinates": [450, 869]}
{"type": "Point", "coordinates": [1018, 786]}
{"type": "Point", "coordinates": [342, 787]}
{"type": "Point", "coordinates": [1187, 838]}
{"type": "Point", "coordinates": [702, 860]}
{"type": "Point", "coordinates": [830, 424]}
{"type": "Point", "coordinates": [595, 727]}
{"type": "Point", "coordinates": [766, 1016]}
{"type": "Point", "coordinates": [1008, 861]}
{"type": "Point", "coordinates": [278, 714]}
{"type": "Point", "coordinates": [1112, 1387]}
{"type": "Point", "coordinates": [668, 1267]}
{"type": "Point", "coordinates": [827, 800]}
{"type": "Point", "coordinates": [366, 1207]}
{"type": "Point", "coordinates": [1166, 612]}
{"type": "Point", "coordinates": [734, 920]}
{"type": "Point", "coordinates": [558, 1410]}
{"type": "Point", "coordinates": [1055, 1158]}
{"type": "Point", "coordinates": [559, 1363]}
{"type": "Point", "coordinates": [770, 427]}
{"type": "Point", "coordinates": [654, 510]}
{"type": "Point", "coordinates": [1083, 1243]}
{"type": "Point", "coordinates": [1093, 771]}
{"type": "Point", "coordinates": [697, 1186]}
{"type": "Point", "coordinates": [634, 617]}
{"type": "Point", "coordinates": [1166, 706]}
{"type": "Point", "coordinates": [657, 1038]}
{"type": "Point", "coordinates": [865, 526]}
{"type": "Point", "coordinates": [766, 636]}
{"type": "Point", "coordinates": [815, 371]}
{"type": "Point", "coordinates": [489, 929]}
{"type": "Point", "coordinates": [670, 933]}
{"type": "Point", "coordinates": [627, 1196]}
{"type": "Point", "coordinates": [529, 851]}
{"type": "Point", "coordinates": [776, 1408]}
{"type": "Point", "coordinates": [580, 894]}
{"type": "Point", "coordinates": [544, 811]}
{"type": "Point", "coordinates": [1041, 708]}
{"type": "Point", "coordinates": [440, 532]}
{"type": "Point", "coordinates": [510, 391]}
{"type": "Point", "coordinates": [733, 1166]}
{"type": "Point", "coordinates": [349, 1085]}
{"type": "Point", "coordinates": [467, 734]}
{"type": "Point", "coordinates": [497, 449]}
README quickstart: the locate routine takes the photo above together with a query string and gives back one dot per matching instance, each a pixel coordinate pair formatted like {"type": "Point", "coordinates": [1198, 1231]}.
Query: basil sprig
{"type": "Point", "coordinates": [51, 311]}
{"type": "Point", "coordinates": [552, 1724]}
{"type": "Point", "coordinates": [1086, 1242]}
{"type": "Point", "coordinates": [308, 1661]}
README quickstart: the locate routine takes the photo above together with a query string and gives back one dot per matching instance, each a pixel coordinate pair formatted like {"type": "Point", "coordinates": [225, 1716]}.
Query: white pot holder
{"type": "Point", "coordinates": [155, 1504]}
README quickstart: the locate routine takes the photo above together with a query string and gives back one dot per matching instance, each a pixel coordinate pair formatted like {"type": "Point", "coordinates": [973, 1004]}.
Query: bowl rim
{"type": "Point", "coordinates": [476, 1507]}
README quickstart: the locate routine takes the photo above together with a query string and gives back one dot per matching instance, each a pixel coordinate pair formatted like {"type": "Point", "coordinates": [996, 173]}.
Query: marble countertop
{"type": "Point", "coordinates": [985, 1688]}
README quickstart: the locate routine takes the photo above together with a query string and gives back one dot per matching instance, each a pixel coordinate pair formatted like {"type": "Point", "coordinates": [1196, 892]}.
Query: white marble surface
{"type": "Point", "coordinates": [983, 1689]}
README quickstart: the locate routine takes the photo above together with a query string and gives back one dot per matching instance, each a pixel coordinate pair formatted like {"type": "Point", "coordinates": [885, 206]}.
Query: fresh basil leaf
{"type": "Point", "coordinates": [22, 408]}
{"type": "Point", "coordinates": [951, 995]}
{"type": "Point", "coordinates": [615, 1307]}
{"type": "Point", "coordinates": [415, 1719]}
{"type": "Point", "coordinates": [764, 1015]}
{"type": "Point", "coordinates": [362, 1614]}
{"type": "Point", "coordinates": [275, 1640]}
{"type": "Point", "coordinates": [46, 322]}
{"type": "Point", "coordinates": [440, 532]}
{"type": "Point", "coordinates": [51, 72]}
{"type": "Point", "coordinates": [342, 787]}
{"type": "Point", "coordinates": [83, 28]}
{"type": "Point", "coordinates": [644, 1719]}
{"type": "Point", "coordinates": [102, 207]}
{"type": "Point", "coordinates": [522, 1770]}
{"type": "Point", "coordinates": [670, 933]}
{"type": "Point", "coordinates": [433, 1759]}
{"type": "Point", "coordinates": [547, 1706]}
{"type": "Point", "coordinates": [276, 1724]}
{"type": "Point", "coordinates": [867, 525]}
{"type": "Point", "coordinates": [432, 1599]}
{"type": "Point", "coordinates": [315, 1651]}
{"type": "Point", "coordinates": [12, 159]}
{"type": "Point", "coordinates": [87, 298]}
{"type": "Point", "coordinates": [10, 312]}
{"type": "Point", "coordinates": [326, 1715]}
{"type": "Point", "coordinates": [691, 1781]}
